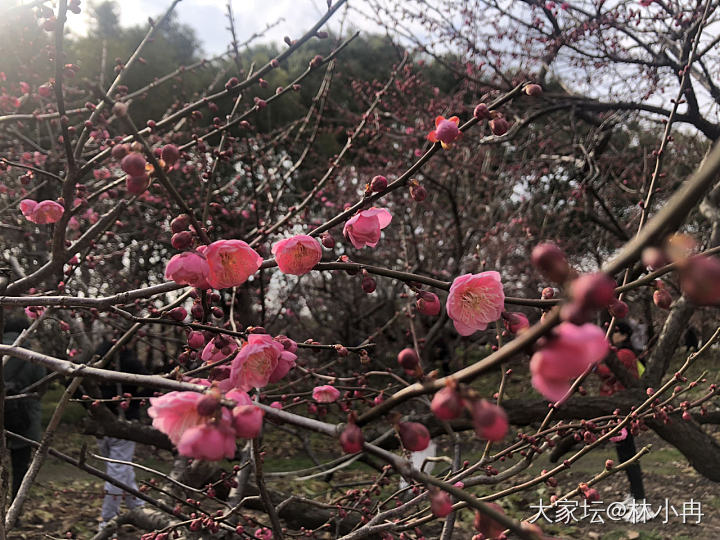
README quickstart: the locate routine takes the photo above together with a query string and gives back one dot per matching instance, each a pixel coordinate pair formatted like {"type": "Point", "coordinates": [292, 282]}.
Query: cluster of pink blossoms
{"type": "Point", "coordinates": [222, 264]}
{"type": "Point", "coordinates": [198, 424]}
{"type": "Point", "coordinates": [42, 212]}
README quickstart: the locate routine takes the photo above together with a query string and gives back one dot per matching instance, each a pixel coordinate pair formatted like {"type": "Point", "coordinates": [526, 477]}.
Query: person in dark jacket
{"type": "Point", "coordinates": [22, 416]}
{"type": "Point", "coordinates": [625, 447]}
{"type": "Point", "coordinates": [120, 449]}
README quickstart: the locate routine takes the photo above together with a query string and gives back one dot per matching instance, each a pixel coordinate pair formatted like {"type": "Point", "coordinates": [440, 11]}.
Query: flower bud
{"type": "Point", "coordinates": [119, 151]}
{"type": "Point", "coordinates": [489, 420]}
{"type": "Point", "coordinates": [133, 164]}
{"type": "Point", "coordinates": [428, 303]}
{"type": "Point", "coordinates": [700, 280]}
{"type": "Point", "coordinates": [515, 322]}
{"type": "Point", "coordinates": [408, 360]}
{"type": "Point", "coordinates": [178, 314]}
{"type": "Point", "coordinates": [180, 223]}
{"type": "Point", "coordinates": [440, 503]}
{"type": "Point", "coordinates": [551, 261]}
{"type": "Point", "coordinates": [368, 285]}
{"type": "Point", "coordinates": [182, 240]}
{"type": "Point", "coordinates": [327, 240]}
{"type": "Point", "coordinates": [447, 404]}
{"type": "Point", "coordinates": [378, 183]}
{"type": "Point", "coordinates": [136, 185]}
{"type": "Point", "coordinates": [120, 109]}
{"type": "Point", "coordinates": [170, 154]}
{"type": "Point", "coordinates": [499, 126]}
{"type": "Point", "coordinates": [593, 291]}
{"type": "Point", "coordinates": [533, 90]}
{"type": "Point", "coordinates": [481, 112]}
{"type": "Point", "coordinates": [618, 309]}
{"type": "Point", "coordinates": [418, 193]}
{"type": "Point", "coordinates": [196, 340]}
{"type": "Point", "coordinates": [351, 439]}
{"type": "Point", "coordinates": [414, 436]}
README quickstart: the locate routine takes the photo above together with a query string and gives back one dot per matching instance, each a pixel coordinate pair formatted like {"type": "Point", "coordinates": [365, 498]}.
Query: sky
{"type": "Point", "coordinates": [208, 18]}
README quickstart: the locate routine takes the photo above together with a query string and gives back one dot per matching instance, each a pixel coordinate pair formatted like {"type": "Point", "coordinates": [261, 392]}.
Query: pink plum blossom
{"type": "Point", "coordinates": [474, 301]}
{"type": "Point", "coordinates": [297, 255]}
{"type": "Point", "coordinates": [189, 268]}
{"type": "Point", "coordinates": [363, 229]}
{"type": "Point", "coordinates": [247, 419]}
{"type": "Point", "coordinates": [256, 363]}
{"type": "Point", "coordinates": [175, 412]}
{"type": "Point", "coordinates": [211, 442]}
{"type": "Point", "coordinates": [569, 351]}
{"type": "Point", "coordinates": [446, 131]}
{"type": "Point", "coordinates": [231, 263]}
{"type": "Point", "coordinates": [428, 303]}
{"type": "Point", "coordinates": [325, 393]}
{"type": "Point", "coordinates": [42, 212]}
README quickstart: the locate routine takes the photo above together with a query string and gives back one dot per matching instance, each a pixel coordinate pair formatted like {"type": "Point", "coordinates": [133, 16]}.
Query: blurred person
{"type": "Point", "coordinates": [22, 416]}
{"type": "Point", "coordinates": [119, 449]}
{"type": "Point", "coordinates": [622, 339]}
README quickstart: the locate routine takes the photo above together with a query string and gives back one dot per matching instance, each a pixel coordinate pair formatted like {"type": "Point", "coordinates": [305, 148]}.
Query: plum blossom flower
{"type": "Point", "coordinates": [474, 301]}
{"type": "Point", "coordinates": [175, 412]}
{"type": "Point", "coordinates": [297, 255]}
{"type": "Point", "coordinates": [189, 268]}
{"type": "Point", "coordinates": [211, 442]}
{"type": "Point", "coordinates": [42, 212]}
{"type": "Point", "coordinates": [231, 263]}
{"type": "Point", "coordinates": [565, 355]}
{"type": "Point", "coordinates": [256, 363]}
{"type": "Point", "coordinates": [325, 393]}
{"type": "Point", "coordinates": [446, 131]}
{"type": "Point", "coordinates": [363, 229]}
{"type": "Point", "coordinates": [247, 419]}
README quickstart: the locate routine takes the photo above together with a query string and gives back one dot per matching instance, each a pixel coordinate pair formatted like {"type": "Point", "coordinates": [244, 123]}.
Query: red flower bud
{"type": "Point", "coordinates": [351, 439]}
{"type": "Point", "coordinates": [489, 420]}
{"type": "Point", "coordinates": [182, 240]}
{"type": "Point", "coordinates": [408, 360]}
{"type": "Point", "coordinates": [447, 404]}
{"type": "Point", "coordinates": [499, 126]}
{"type": "Point", "coordinates": [481, 112]}
{"type": "Point", "coordinates": [618, 309]}
{"type": "Point", "coordinates": [414, 436]}
{"type": "Point", "coordinates": [428, 303]}
{"type": "Point", "coordinates": [700, 280]}
{"type": "Point", "coordinates": [533, 90]}
{"type": "Point", "coordinates": [180, 223]}
{"type": "Point", "coordinates": [551, 261]}
{"type": "Point", "coordinates": [170, 154]}
{"type": "Point", "coordinates": [133, 164]}
{"type": "Point", "coordinates": [593, 291]}
{"type": "Point", "coordinates": [137, 185]}
{"type": "Point", "coordinates": [378, 183]}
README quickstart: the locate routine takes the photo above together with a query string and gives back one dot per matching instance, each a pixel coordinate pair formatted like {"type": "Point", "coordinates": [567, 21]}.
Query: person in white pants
{"type": "Point", "coordinates": [121, 450]}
